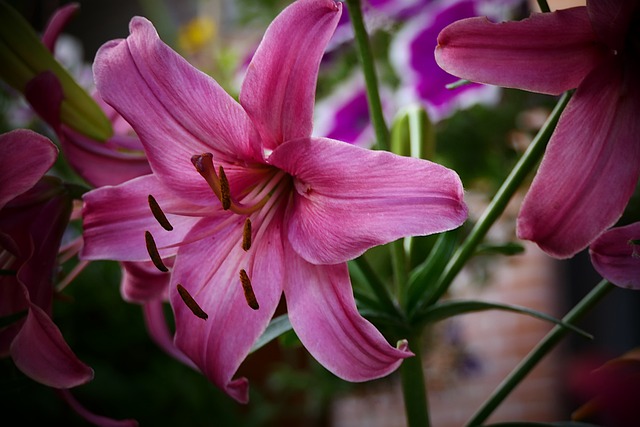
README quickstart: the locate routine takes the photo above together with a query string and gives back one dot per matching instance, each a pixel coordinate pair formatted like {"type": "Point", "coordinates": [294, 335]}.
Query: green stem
{"type": "Point", "coordinates": [370, 77]}
{"type": "Point", "coordinates": [525, 165]}
{"type": "Point", "coordinates": [544, 7]}
{"type": "Point", "coordinates": [414, 390]}
{"type": "Point", "coordinates": [538, 352]}
{"type": "Point", "coordinates": [400, 267]}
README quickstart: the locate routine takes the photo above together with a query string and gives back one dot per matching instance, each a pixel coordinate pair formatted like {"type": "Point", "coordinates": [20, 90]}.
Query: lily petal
{"type": "Point", "coordinates": [350, 199]}
{"type": "Point", "coordinates": [118, 234]}
{"type": "Point", "coordinates": [219, 344]}
{"type": "Point", "coordinates": [616, 255]}
{"type": "Point", "coordinates": [26, 157]}
{"type": "Point", "coordinates": [57, 23]}
{"type": "Point", "coordinates": [592, 156]}
{"type": "Point", "coordinates": [176, 110]}
{"type": "Point", "coordinates": [323, 314]}
{"type": "Point", "coordinates": [95, 419]}
{"type": "Point", "coordinates": [279, 87]}
{"type": "Point", "coordinates": [101, 165]}
{"type": "Point", "coordinates": [611, 19]}
{"type": "Point", "coordinates": [142, 281]}
{"type": "Point", "coordinates": [45, 95]}
{"type": "Point", "coordinates": [159, 332]}
{"type": "Point", "coordinates": [547, 52]}
{"type": "Point", "coordinates": [40, 351]}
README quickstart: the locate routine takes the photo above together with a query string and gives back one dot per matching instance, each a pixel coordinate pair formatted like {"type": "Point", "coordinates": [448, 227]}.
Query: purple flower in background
{"type": "Point", "coordinates": [344, 115]}
{"type": "Point", "coordinates": [422, 80]}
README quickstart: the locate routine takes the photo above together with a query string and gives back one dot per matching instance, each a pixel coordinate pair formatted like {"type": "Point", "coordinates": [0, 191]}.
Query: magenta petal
{"type": "Point", "coordinates": [616, 255]}
{"type": "Point", "coordinates": [590, 168]}
{"type": "Point", "coordinates": [209, 270]}
{"type": "Point", "coordinates": [45, 94]}
{"type": "Point", "coordinates": [119, 234]}
{"type": "Point", "coordinates": [40, 351]}
{"type": "Point", "coordinates": [142, 281]}
{"type": "Point", "coordinates": [611, 19]}
{"type": "Point", "coordinates": [349, 199]}
{"type": "Point", "coordinates": [280, 84]}
{"type": "Point", "coordinates": [159, 332]}
{"type": "Point", "coordinates": [57, 23]}
{"type": "Point", "coordinates": [175, 109]}
{"type": "Point", "coordinates": [323, 314]}
{"type": "Point", "coordinates": [101, 165]}
{"type": "Point", "coordinates": [25, 157]}
{"type": "Point", "coordinates": [548, 52]}
{"type": "Point", "coordinates": [97, 420]}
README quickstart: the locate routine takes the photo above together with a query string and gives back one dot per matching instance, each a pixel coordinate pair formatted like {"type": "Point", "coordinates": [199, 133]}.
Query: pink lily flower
{"type": "Point", "coordinates": [34, 212]}
{"type": "Point", "coordinates": [616, 255]}
{"type": "Point", "coordinates": [256, 207]}
{"type": "Point", "coordinates": [592, 162]}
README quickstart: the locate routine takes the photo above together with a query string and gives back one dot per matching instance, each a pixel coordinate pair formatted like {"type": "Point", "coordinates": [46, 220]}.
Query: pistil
{"type": "Point", "coordinates": [220, 186]}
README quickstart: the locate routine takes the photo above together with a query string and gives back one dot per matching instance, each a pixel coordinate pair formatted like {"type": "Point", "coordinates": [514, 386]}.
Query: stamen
{"type": "Point", "coordinates": [249, 295]}
{"type": "Point", "coordinates": [153, 252]}
{"type": "Point", "coordinates": [246, 235]}
{"type": "Point", "coordinates": [158, 214]}
{"type": "Point", "coordinates": [191, 303]}
{"type": "Point", "coordinates": [225, 192]}
{"type": "Point", "coordinates": [204, 165]}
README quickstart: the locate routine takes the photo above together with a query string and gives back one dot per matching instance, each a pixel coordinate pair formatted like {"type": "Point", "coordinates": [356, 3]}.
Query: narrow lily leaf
{"type": "Point", "coordinates": [423, 276]}
{"type": "Point", "coordinates": [277, 327]}
{"type": "Point", "coordinates": [510, 248]}
{"type": "Point", "coordinates": [24, 56]}
{"type": "Point", "coordinates": [452, 308]}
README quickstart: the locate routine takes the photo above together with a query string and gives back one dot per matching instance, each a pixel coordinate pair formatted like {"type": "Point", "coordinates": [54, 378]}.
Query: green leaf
{"type": "Point", "coordinates": [277, 327]}
{"type": "Point", "coordinates": [448, 309]}
{"type": "Point", "coordinates": [7, 320]}
{"type": "Point", "coordinates": [23, 57]}
{"type": "Point", "coordinates": [424, 275]}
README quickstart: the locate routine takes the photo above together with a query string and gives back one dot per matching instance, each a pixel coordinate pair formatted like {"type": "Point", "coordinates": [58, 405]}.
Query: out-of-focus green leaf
{"type": "Point", "coordinates": [23, 57]}
{"type": "Point", "coordinates": [424, 275]}
{"type": "Point", "coordinates": [277, 327]}
{"type": "Point", "coordinates": [412, 134]}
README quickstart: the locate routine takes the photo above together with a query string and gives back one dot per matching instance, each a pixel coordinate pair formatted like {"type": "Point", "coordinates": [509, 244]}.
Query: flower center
{"type": "Point", "coordinates": [258, 205]}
